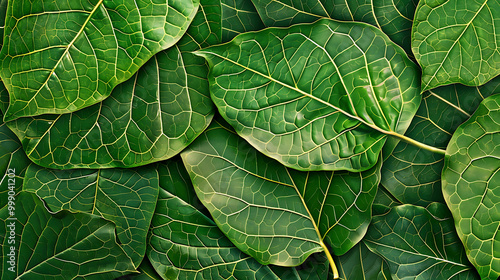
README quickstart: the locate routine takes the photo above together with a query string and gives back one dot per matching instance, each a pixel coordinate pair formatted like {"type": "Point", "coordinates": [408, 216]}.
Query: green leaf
{"type": "Point", "coordinates": [239, 16]}
{"type": "Point", "coordinates": [394, 17]}
{"type": "Point", "coordinates": [126, 197]}
{"type": "Point", "coordinates": [146, 272]}
{"type": "Point", "coordinates": [63, 246]}
{"type": "Point", "coordinates": [62, 57]}
{"type": "Point", "coordinates": [412, 174]}
{"type": "Point", "coordinates": [361, 263]}
{"type": "Point", "coordinates": [456, 41]}
{"type": "Point", "coordinates": [320, 96]}
{"type": "Point", "coordinates": [384, 201]}
{"type": "Point", "coordinates": [419, 244]}
{"type": "Point", "coordinates": [471, 185]}
{"type": "Point", "coordinates": [277, 215]}
{"type": "Point", "coordinates": [151, 117]}
{"type": "Point", "coordinates": [13, 164]}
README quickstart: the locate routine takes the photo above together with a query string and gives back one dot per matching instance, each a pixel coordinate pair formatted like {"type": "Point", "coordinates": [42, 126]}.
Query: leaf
{"type": "Point", "coordinates": [88, 48]}
{"type": "Point", "coordinates": [239, 16]}
{"type": "Point", "coordinates": [471, 183]}
{"type": "Point", "coordinates": [456, 42]}
{"type": "Point", "coordinates": [320, 96]}
{"type": "Point", "coordinates": [395, 18]}
{"type": "Point", "coordinates": [149, 118]}
{"type": "Point", "coordinates": [63, 246]}
{"type": "Point", "coordinates": [384, 201]}
{"type": "Point", "coordinates": [419, 244]}
{"type": "Point", "coordinates": [277, 215]}
{"type": "Point", "coordinates": [146, 272]}
{"type": "Point", "coordinates": [126, 197]}
{"type": "Point", "coordinates": [185, 243]}
{"type": "Point", "coordinates": [412, 174]}
{"type": "Point", "coordinates": [361, 263]}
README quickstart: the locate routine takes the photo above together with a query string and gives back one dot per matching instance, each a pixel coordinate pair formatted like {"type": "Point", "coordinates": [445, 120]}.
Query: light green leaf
{"type": "Point", "coordinates": [277, 215]}
{"type": "Point", "coordinates": [361, 263]}
{"type": "Point", "coordinates": [126, 197]}
{"type": "Point", "coordinates": [457, 41]}
{"type": "Point", "coordinates": [151, 117]}
{"type": "Point", "coordinates": [471, 185]}
{"type": "Point", "coordinates": [419, 244]}
{"type": "Point", "coordinates": [394, 17]}
{"type": "Point", "coordinates": [320, 96]}
{"type": "Point", "coordinates": [412, 174]}
{"type": "Point", "coordinates": [63, 246]}
{"type": "Point", "coordinates": [62, 57]}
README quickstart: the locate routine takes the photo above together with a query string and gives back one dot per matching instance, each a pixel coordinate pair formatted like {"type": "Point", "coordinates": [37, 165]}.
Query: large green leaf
{"type": "Point", "coordinates": [126, 197]}
{"type": "Point", "coordinates": [61, 57]}
{"type": "Point", "coordinates": [185, 243]}
{"type": "Point", "coordinates": [419, 244]}
{"type": "Point", "coordinates": [275, 214]}
{"type": "Point", "coordinates": [150, 117]}
{"type": "Point", "coordinates": [394, 17]}
{"type": "Point", "coordinates": [412, 174]}
{"type": "Point", "coordinates": [457, 41]}
{"type": "Point", "coordinates": [320, 96]}
{"type": "Point", "coordinates": [471, 185]}
{"type": "Point", "coordinates": [361, 263]}
{"type": "Point", "coordinates": [63, 246]}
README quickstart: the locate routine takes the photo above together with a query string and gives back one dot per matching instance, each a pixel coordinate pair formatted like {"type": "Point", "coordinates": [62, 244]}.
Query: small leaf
{"type": "Point", "coordinates": [239, 16]}
{"type": "Point", "coordinates": [126, 197]}
{"type": "Point", "coordinates": [419, 244]}
{"type": "Point", "coordinates": [277, 215]}
{"type": "Point", "coordinates": [471, 185]}
{"type": "Point", "coordinates": [63, 246]}
{"type": "Point", "coordinates": [320, 96]}
{"type": "Point", "coordinates": [62, 57]}
{"type": "Point", "coordinates": [146, 272]}
{"type": "Point", "coordinates": [456, 41]}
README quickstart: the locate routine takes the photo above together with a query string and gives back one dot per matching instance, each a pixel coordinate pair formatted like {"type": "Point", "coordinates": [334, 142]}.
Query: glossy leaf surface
{"type": "Point", "coordinates": [126, 197]}
{"type": "Point", "coordinates": [419, 244]}
{"type": "Point", "coordinates": [61, 57]}
{"type": "Point", "coordinates": [63, 246]}
{"type": "Point", "coordinates": [471, 185]}
{"type": "Point", "coordinates": [275, 214]}
{"type": "Point", "coordinates": [361, 263]}
{"type": "Point", "coordinates": [394, 17]}
{"type": "Point", "coordinates": [412, 174]}
{"type": "Point", "coordinates": [457, 41]}
{"type": "Point", "coordinates": [320, 96]}
{"type": "Point", "coordinates": [150, 117]}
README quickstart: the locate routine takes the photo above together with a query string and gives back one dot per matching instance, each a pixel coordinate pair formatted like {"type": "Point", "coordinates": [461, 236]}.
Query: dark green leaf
{"type": "Point", "coordinates": [361, 263]}
{"type": "Point", "coordinates": [146, 272]}
{"type": "Point", "coordinates": [394, 17]}
{"type": "Point", "coordinates": [320, 96]}
{"type": "Point", "coordinates": [457, 41]}
{"type": "Point", "coordinates": [238, 16]}
{"type": "Point", "coordinates": [419, 244]}
{"type": "Point", "coordinates": [63, 246]}
{"type": "Point", "coordinates": [275, 214]}
{"type": "Point", "coordinates": [384, 201]}
{"type": "Point", "coordinates": [126, 197]}
{"type": "Point", "coordinates": [60, 57]}
{"type": "Point", "coordinates": [413, 175]}
{"type": "Point", "coordinates": [471, 185]}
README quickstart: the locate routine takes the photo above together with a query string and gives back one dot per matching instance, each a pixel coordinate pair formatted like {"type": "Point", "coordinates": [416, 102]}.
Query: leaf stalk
{"type": "Point", "coordinates": [330, 260]}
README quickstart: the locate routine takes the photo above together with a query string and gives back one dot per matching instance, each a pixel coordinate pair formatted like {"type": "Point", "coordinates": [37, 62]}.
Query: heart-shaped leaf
{"type": "Point", "coordinates": [419, 244]}
{"type": "Point", "coordinates": [456, 41]}
{"type": "Point", "coordinates": [393, 17]}
{"type": "Point", "coordinates": [275, 214]}
{"type": "Point", "coordinates": [63, 246]}
{"type": "Point", "coordinates": [126, 197]}
{"type": "Point", "coordinates": [61, 57]}
{"type": "Point", "coordinates": [320, 96]}
{"type": "Point", "coordinates": [471, 186]}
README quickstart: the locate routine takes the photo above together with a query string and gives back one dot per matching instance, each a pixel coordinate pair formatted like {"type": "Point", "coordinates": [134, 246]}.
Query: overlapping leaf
{"type": "Point", "coordinates": [275, 214]}
{"type": "Point", "coordinates": [238, 16]}
{"type": "Point", "coordinates": [127, 197]}
{"type": "Point", "coordinates": [361, 263]}
{"type": "Point", "coordinates": [419, 244]}
{"type": "Point", "coordinates": [471, 185]}
{"type": "Point", "coordinates": [146, 271]}
{"type": "Point", "coordinates": [63, 246]}
{"type": "Point", "coordinates": [457, 41]}
{"type": "Point", "coordinates": [320, 96]}
{"type": "Point", "coordinates": [394, 17]}
{"type": "Point", "coordinates": [184, 243]}
{"type": "Point", "coordinates": [412, 174]}
{"type": "Point", "coordinates": [61, 57]}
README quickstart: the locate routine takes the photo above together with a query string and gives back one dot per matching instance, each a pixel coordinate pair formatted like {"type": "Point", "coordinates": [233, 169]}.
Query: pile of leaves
{"type": "Point", "coordinates": [238, 139]}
